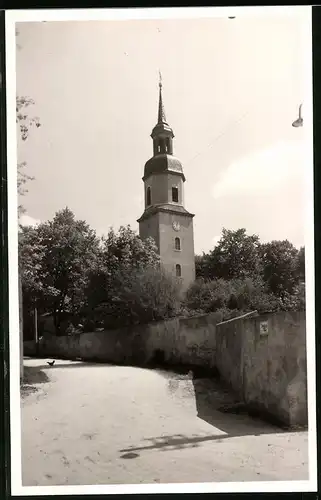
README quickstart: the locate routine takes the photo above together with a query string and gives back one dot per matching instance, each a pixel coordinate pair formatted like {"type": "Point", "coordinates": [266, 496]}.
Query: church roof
{"type": "Point", "coordinates": [163, 163]}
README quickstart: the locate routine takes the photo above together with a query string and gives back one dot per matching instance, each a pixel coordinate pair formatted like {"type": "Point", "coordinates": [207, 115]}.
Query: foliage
{"type": "Point", "coordinates": [119, 251]}
{"type": "Point", "coordinates": [23, 178]}
{"type": "Point", "coordinates": [23, 120]}
{"type": "Point", "coordinates": [265, 277]}
{"type": "Point", "coordinates": [203, 264]}
{"type": "Point", "coordinates": [117, 280]}
{"type": "Point", "coordinates": [235, 256]}
{"type": "Point", "coordinates": [280, 260]}
{"type": "Point", "coordinates": [208, 296]}
{"type": "Point", "coordinates": [24, 123]}
{"type": "Point", "coordinates": [301, 264]}
{"type": "Point", "coordinates": [294, 301]}
{"type": "Point", "coordinates": [128, 286]}
{"type": "Point", "coordinates": [142, 295]}
{"type": "Point", "coordinates": [241, 295]}
{"type": "Point", "coordinates": [55, 259]}
{"type": "Point", "coordinates": [251, 294]}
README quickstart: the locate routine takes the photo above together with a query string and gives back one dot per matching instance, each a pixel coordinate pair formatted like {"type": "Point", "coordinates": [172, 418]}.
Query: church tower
{"type": "Point", "coordinates": [165, 218]}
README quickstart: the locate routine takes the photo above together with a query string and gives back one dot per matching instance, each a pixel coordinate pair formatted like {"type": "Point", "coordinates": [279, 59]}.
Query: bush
{"type": "Point", "coordinates": [294, 301]}
{"type": "Point", "coordinates": [231, 297]}
{"type": "Point", "coordinates": [138, 296]}
{"type": "Point", "coordinates": [251, 294]}
{"type": "Point", "coordinates": [208, 296]}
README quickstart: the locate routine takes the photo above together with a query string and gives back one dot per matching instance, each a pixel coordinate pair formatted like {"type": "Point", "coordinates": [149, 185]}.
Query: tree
{"type": "Point", "coordinates": [126, 249]}
{"type": "Point", "coordinates": [235, 256]}
{"type": "Point", "coordinates": [56, 258]}
{"type": "Point", "coordinates": [301, 264]}
{"type": "Point", "coordinates": [203, 266]}
{"type": "Point", "coordinates": [124, 260]}
{"type": "Point", "coordinates": [231, 297]}
{"type": "Point", "coordinates": [280, 261]}
{"type": "Point", "coordinates": [208, 296]}
{"type": "Point", "coordinates": [143, 295]}
{"type": "Point", "coordinates": [24, 123]}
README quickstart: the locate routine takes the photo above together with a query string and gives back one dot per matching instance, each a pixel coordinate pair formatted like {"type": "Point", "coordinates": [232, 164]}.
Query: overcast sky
{"type": "Point", "coordinates": [231, 90]}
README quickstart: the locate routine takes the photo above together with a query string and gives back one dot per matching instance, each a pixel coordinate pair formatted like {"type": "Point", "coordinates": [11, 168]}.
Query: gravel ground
{"type": "Point", "coordinates": [86, 423]}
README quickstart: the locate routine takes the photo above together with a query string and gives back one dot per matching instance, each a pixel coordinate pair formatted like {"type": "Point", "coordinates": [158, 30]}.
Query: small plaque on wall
{"type": "Point", "coordinates": [264, 328]}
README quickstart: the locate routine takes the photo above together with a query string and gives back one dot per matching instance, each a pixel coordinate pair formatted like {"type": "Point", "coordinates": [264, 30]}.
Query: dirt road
{"type": "Point", "coordinates": [102, 424]}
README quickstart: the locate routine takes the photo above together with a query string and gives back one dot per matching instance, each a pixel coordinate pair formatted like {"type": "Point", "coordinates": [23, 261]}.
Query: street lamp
{"type": "Point", "coordinates": [299, 121]}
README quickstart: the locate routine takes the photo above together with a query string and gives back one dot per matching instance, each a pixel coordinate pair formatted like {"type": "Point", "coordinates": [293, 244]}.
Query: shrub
{"type": "Point", "coordinates": [138, 296]}
{"type": "Point", "coordinates": [294, 301]}
{"type": "Point", "coordinates": [251, 294]}
{"type": "Point", "coordinates": [208, 296]}
{"type": "Point", "coordinates": [232, 297]}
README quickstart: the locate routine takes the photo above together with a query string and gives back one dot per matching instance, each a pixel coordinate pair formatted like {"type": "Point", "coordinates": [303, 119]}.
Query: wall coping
{"type": "Point", "coordinates": [251, 314]}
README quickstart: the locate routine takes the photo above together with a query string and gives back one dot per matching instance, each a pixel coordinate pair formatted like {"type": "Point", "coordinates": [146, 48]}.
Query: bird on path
{"type": "Point", "coordinates": [51, 363]}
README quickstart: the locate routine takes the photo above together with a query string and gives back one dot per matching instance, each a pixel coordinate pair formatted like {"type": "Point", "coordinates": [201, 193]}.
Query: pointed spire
{"type": "Point", "coordinates": [161, 110]}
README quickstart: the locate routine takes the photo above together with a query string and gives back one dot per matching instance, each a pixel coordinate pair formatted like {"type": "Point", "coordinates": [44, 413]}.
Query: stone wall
{"type": "Point", "coordinates": [262, 358]}
{"type": "Point", "coordinates": [229, 350]}
{"type": "Point", "coordinates": [264, 361]}
{"type": "Point", "coordinates": [188, 341]}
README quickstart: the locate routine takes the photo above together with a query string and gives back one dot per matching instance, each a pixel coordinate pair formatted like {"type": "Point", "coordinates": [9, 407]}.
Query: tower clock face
{"type": "Point", "coordinates": [176, 226]}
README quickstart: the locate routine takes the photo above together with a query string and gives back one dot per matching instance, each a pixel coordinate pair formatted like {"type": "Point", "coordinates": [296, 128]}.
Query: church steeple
{"type": "Point", "coordinates": [162, 133]}
{"type": "Point", "coordinates": [165, 218]}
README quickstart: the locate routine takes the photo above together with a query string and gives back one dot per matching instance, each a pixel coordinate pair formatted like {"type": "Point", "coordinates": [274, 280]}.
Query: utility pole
{"type": "Point", "coordinates": [21, 328]}
{"type": "Point", "coordinates": [36, 329]}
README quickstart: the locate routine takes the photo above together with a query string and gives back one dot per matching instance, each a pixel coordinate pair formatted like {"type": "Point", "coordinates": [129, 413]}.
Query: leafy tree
{"type": "Point", "coordinates": [235, 296]}
{"type": "Point", "coordinates": [142, 295]}
{"type": "Point", "coordinates": [56, 258]}
{"type": "Point", "coordinates": [124, 263]}
{"type": "Point", "coordinates": [251, 294]}
{"type": "Point", "coordinates": [203, 266]}
{"type": "Point", "coordinates": [280, 261]}
{"type": "Point", "coordinates": [294, 301]}
{"type": "Point", "coordinates": [208, 296]}
{"type": "Point", "coordinates": [24, 123]}
{"type": "Point", "coordinates": [301, 264]}
{"type": "Point", "coordinates": [126, 249]}
{"type": "Point", "coordinates": [235, 256]}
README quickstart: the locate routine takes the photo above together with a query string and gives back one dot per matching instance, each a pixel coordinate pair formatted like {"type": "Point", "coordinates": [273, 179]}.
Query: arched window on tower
{"type": "Point", "coordinates": [177, 244]}
{"type": "Point", "coordinates": [175, 194]}
{"type": "Point", "coordinates": [178, 270]}
{"type": "Point", "coordinates": [148, 196]}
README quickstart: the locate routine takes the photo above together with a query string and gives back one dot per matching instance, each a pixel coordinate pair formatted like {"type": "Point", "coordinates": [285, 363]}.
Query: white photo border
{"type": "Point", "coordinates": [15, 16]}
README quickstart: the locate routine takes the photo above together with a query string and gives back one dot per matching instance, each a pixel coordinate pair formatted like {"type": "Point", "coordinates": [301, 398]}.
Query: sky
{"type": "Point", "coordinates": [231, 90]}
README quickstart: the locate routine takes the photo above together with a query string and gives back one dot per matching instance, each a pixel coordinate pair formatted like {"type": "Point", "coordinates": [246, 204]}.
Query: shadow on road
{"type": "Point", "coordinates": [220, 407]}
{"type": "Point", "coordinates": [173, 442]}
{"type": "Point", "coordinates": [34, 375]}
{"type": "Point", "coordinates": [212, 399]}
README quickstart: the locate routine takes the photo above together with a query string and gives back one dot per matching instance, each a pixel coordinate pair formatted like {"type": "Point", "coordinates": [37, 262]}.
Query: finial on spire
{"type": "Point", "coordinates": [161, 110]}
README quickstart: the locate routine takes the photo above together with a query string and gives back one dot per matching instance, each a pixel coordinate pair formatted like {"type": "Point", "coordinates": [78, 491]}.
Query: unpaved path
{"type": "Point", "coordinates": [102, 424]}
